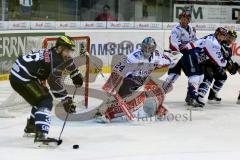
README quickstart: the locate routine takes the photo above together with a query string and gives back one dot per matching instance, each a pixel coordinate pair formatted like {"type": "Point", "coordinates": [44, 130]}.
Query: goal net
{"type": "Point", "coordinates": [15, 103]}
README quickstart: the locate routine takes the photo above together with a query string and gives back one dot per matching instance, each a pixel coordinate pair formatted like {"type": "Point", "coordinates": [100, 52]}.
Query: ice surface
{"type": "Point", "coordinates": [213, 134]}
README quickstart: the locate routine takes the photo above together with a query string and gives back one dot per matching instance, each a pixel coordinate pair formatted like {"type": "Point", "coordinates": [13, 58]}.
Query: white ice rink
{"type": "Point", "coordinates": [213, 134]}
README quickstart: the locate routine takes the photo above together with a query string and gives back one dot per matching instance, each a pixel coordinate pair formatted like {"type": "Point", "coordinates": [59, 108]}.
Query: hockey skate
{"type": "Point", "coordinates": [30, 129]}
{"type": "Point", "coordinates": [196, 104]}
{"type": "Point", "coordinates": [238, 100]}
{"type": "Point", "coordinates": [188, 99]}
{"type": "Point", "coordinates": [41, 140]}
{"type": "Point", "coordinates": [213, 98]}
{"type": "Point", "coordinates": [100, 118]}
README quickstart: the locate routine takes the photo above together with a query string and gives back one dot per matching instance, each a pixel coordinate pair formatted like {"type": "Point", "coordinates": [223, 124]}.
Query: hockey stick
{"type": "Point", "coordinates": [64, 124]}
{"type": "Point", "coordinates": [122, 105]}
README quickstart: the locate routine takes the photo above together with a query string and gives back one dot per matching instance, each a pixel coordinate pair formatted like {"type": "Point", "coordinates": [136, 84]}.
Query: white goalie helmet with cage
{"type": "Point", "coordinates": [148, 46]}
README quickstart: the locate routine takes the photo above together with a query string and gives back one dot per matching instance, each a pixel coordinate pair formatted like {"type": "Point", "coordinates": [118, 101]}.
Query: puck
{"type": "Point", "coordinates": [75, 146]}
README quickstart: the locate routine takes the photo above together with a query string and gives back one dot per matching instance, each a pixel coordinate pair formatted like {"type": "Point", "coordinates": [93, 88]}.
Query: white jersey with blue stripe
{"type": "Point", "coordinates": [211, 48]}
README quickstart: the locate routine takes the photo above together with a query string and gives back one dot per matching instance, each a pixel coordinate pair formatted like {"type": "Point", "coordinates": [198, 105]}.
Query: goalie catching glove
{"type": "Point", "coordinates": [68, 105]}
{"type": "Point", "coordinates": [76, 78]}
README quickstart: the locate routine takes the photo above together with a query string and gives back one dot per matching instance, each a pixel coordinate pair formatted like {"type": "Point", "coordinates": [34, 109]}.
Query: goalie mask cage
{"type": "Point", "coordinates": [16, 103]}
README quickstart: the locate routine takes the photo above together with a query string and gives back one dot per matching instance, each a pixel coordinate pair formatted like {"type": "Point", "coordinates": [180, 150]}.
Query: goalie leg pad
{"type": "Point", "coordinates": [112, 83]}
{"type": "Point", "coordinates": [157, 92]}
{"type": "Point", "coordinates": [115, 111]}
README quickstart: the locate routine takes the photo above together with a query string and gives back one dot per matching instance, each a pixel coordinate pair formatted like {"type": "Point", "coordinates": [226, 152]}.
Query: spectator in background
{"type": "Point", "coordinates": [105, 15]}
{"type": "Point", "coordinates": [26, 6]}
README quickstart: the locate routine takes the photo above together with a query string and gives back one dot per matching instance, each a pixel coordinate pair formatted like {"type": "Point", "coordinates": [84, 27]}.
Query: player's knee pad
{"type": "Point", "coordinates": [42, 119]}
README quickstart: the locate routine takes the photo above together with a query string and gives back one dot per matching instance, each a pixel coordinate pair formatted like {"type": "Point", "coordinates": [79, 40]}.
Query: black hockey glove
{"type": "Point", "coordinates": [76, 78]}
{"type": "Point", "coordinates": [68, 105]}
{"type": "Point", "coordinates": [232, 67]}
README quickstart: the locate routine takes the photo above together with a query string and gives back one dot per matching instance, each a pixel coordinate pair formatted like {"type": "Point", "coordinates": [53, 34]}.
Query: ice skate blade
{"type": "Point", "coordinates": [39, 145]}
{"type": "Point", "coordinates": [194, 108]}
{"type": "Point", "coordinates": [28, 135]}
{"type": "Point", "coordinates": [213, 102]}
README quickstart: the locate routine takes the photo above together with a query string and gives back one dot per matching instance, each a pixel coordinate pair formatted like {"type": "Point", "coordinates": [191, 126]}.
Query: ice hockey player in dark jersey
{"type": "Point", "coordinates": [27, 73]}
{"type": "Point", "coordinates": [213, 71]}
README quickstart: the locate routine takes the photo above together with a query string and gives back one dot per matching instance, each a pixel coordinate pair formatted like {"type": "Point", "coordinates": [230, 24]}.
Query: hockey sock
{"type": "Point", "coordinates": [42, 120]}
{"type": "Point", "coordinates": [217, 86]}
{"type": "Point", "coordinates": [203, 88]}
{"type": "Point", "coordinates": [32, 116]}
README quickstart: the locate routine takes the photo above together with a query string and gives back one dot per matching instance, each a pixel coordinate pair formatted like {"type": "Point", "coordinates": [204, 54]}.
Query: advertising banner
{"type": "Point", "coordinates": [14, 44]}
{"type": "Point", "coordinates": [210, 13]}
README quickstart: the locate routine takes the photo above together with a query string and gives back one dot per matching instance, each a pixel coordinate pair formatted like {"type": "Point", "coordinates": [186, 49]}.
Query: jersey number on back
{"type": "Point", "coordinates": [35, 56]}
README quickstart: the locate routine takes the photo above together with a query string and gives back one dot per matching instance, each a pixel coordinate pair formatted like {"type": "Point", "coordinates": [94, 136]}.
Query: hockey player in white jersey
{"type": "Point", "coordinates": [208, 47]}
{"type": "Point", "coordinates": [132, 72]}
{"type": "Point", "coordinates": [181, 34]}
{"type": "Point", "coordinates": [213, 71]}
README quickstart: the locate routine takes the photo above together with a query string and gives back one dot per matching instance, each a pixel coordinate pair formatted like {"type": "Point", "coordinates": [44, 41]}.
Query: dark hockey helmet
{"type": "Point", "coordinates": [148, 45]}
{"type": "Point", "coordinates": [231, 37]}
{"type": "Point", "coordinates": [185, 14]}
{"type": "Point", "coordinates": [221, 31]}
{"type": "Point", "coordinates": [232, 33]}
{"type": "Point", "coordinates": [65, 41]}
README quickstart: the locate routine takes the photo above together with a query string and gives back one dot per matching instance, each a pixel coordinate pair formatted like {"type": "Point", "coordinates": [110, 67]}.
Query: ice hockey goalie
{"type": "Point", "coordinates": [132, 73]}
